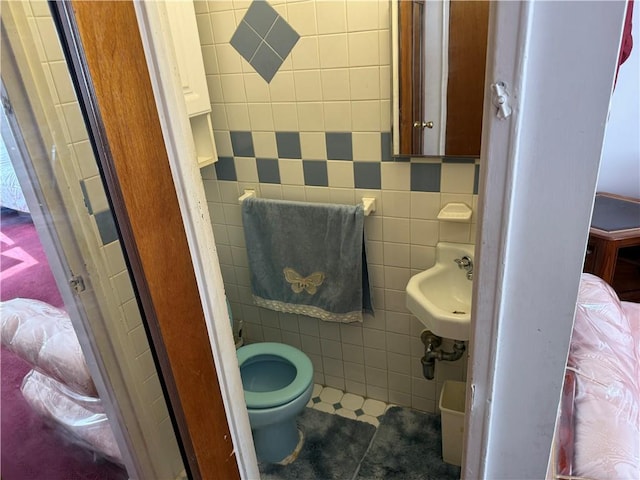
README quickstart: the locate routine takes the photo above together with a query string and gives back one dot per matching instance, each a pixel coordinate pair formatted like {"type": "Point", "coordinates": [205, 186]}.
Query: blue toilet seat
{"type": "Point", "coordinates": [285, 354]}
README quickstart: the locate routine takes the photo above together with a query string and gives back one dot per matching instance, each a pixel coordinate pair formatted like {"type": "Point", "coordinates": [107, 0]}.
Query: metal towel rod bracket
{"type": "Point", "coordinates": [368, 203]}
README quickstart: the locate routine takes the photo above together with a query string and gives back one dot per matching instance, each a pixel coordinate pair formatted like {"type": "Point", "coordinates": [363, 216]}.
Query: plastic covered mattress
{"type": "Point", "coordinates": [80, 417]}
{"type": "Point", "coordinates": [43, 336]}
{"type": "Point", "coordinates": [598, 431]}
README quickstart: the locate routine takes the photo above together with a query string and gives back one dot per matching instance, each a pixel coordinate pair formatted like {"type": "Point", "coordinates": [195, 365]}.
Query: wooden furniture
{"type": "Point", "coordinates": [613, 250]}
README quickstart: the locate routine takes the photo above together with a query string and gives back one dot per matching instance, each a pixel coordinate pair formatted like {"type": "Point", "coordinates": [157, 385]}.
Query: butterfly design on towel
{"type": "Point", "coordinates": [299, 283]}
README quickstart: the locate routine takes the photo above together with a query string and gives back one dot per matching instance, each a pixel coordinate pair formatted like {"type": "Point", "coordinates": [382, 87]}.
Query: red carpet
{"type": "Point", "coordinates": [32, 449]}
{"type": "Point", "coordinates": [24, 271]}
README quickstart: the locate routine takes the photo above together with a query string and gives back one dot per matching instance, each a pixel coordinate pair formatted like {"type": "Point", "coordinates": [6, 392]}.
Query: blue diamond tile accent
{"type": "Point", "coordinates": [367, 175]}
{"type": "Point", "coordinates": [288, 144]}
{"type": "Point", "coordinates": [226, 169]}
{"type": "Point", "coordinates": [106, 227]}
{"type": "Point", "coordinates": [425, 177]}
{"type": "Point", "coordinates": [246, 41]}
{"type": "Point", "coordinates": [264, 39]}
{"type": "Point", "coordinates": [337, 405]}
{"type": "Point", "coordinates": [339, 146]}
{"type": "Point", "coordinates": [242, 144]}
{"type": "Point", "coordinates": [316, 400]}
{"type": "Point", "coordinates": [268, 170]}
{"type": "Point", "coordinates": [359, 412]}
{"type": "Point", "coordinates": [282, 37]}
{"type": "Point", "coordinates": [315, 173]}
{"type": "Point", "coordinates": [260, 16]}
{"type": "Point", "coordinates": [476, 179]}
{"type": "Point", "coordinates": [266, 62]}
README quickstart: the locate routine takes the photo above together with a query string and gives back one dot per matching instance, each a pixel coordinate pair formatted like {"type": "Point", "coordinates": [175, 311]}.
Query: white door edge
{"type": "Point", "coordinates": [539, 171]}
{"type": "Point", "coordinates": [156, 38]}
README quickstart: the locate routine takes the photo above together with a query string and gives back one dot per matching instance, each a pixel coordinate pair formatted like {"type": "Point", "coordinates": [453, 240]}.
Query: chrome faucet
{"type": "Point", "coordinates": [467, 264]}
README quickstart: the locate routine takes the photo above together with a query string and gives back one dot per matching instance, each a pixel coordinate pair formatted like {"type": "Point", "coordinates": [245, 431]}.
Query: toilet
{"type": "Point", "coordinates": [277, 381]}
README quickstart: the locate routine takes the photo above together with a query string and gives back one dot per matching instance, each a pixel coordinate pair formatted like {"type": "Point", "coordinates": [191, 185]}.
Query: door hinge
{"type": "Point", "coordinates": [77, 283]}
{"type": "Point", "coordinates": [6, 104]}
{"type": "Point", "coordinates": [501, 100]}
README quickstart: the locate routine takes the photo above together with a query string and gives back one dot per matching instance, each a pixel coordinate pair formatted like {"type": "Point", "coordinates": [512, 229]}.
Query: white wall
{"type": "Point", "coordinates": [620, 165]}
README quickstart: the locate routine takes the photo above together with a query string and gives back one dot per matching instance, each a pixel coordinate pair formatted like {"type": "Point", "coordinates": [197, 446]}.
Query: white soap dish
{"type": "Point", "coordinates": [455, 212]}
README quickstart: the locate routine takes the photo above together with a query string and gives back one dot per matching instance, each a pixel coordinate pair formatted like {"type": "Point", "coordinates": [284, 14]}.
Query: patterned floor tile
{"type": "Point", "coordinates": [331, 395]}
{"type": "Point", "coordinates": [349, 405]}
{"type": "Point", "coordinates": [317, 388]}
{"type": "Point", "coordinates": [343, 412]}
{"type": "Point", "coordinates": [369, 419]}
{"type": "Point", "coordinates": [374, 407]}
{"type": "Point", "coordinates": [351, 401]}
{"type": "Point", "coordinates": [324, 407]}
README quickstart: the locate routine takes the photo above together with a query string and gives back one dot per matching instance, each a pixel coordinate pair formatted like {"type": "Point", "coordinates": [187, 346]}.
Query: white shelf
{"type": "Point", "coordinates": [455, 212]}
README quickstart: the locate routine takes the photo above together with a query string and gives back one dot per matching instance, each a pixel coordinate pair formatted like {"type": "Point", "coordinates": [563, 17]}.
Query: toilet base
{"type": "Point", "coordinates": [277, 442]}
{"type": "Point", "coordinates": [292, 457]}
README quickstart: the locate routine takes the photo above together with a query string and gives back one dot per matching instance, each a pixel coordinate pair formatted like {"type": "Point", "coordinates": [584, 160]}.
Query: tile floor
{"type": "Point", "coordinates": [334, 401]}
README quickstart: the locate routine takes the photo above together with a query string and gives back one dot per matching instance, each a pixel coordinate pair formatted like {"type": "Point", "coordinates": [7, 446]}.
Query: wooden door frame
{"type": "Point", "coordinates": [110, 72]}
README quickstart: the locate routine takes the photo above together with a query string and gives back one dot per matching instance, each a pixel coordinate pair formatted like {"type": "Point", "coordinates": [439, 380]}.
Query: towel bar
{"type": "Point", "coordinates": [368, 203]}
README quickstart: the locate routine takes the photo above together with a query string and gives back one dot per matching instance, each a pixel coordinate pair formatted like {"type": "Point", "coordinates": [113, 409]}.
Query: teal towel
{"type": "Point", "coordinates": [307, 258]}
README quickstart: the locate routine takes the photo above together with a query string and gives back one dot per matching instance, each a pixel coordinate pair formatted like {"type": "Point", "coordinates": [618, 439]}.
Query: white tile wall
{"type": "Point", "coordinates": [337, 79]}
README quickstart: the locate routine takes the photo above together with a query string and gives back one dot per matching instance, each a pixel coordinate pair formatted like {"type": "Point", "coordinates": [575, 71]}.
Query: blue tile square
{"type": "Point", "coordinates": [266, 62]}
{"type": "Point", "coordinates": [85, 195]}
{"type": "Point", "coordinates": [359, 412]}
{"type": "Point", "coordinates": [242, 144]}
{"type": "Point", "coordinates": [226, 169]}
{"type": "Point", "coordinates": [268, 170]}
{"type": "Point", "coordinates": [245, 40]}
{"type": "Point", "coordinates": [339, 145]}
{"type": "Point", "coordinates": [337, 405]}
{"type": "Point", "coordinates": [367, 175]}
{"type": "Point", "coordinates": [315, 173]}
{"type": "Point", "coordinates": [425, 177]}
{"type": "Point", "coordinates": [106, 227]}
{"type": "Point", "coordinates": [260, 16]}
{"type": "Point", "coordinates": [288, 144]}
{"type": "Point", "coordinates": [385, 147]}
{"type": "Point", "coordinates": [476, 179]}
{"type": "Point", "coordinates": [282, 37]}
{"type": "Point", "coordinates": [316, 400]}
{"type": "Point", "coordinates": [458, 160]}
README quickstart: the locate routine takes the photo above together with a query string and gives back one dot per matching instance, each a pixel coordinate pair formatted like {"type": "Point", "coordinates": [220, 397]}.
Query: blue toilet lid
{"type": "Point", "coordinates": [302, 380]}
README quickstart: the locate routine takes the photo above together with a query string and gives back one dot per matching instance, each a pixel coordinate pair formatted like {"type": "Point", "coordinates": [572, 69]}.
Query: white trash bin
{"type": "Point", "coordinates": [452, 403]}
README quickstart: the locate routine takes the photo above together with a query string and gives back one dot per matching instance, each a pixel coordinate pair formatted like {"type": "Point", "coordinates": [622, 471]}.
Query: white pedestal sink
{"type": "Point", "coordinates": [441, 296]}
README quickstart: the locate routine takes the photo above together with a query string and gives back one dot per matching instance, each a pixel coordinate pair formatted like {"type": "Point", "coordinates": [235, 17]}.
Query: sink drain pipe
{"type": "Point", "coordinates": [432, 353]}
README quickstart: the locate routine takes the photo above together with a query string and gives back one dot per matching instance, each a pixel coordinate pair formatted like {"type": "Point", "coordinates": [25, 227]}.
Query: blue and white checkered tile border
{"type": "Point", "coordinates": [250, 159]}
